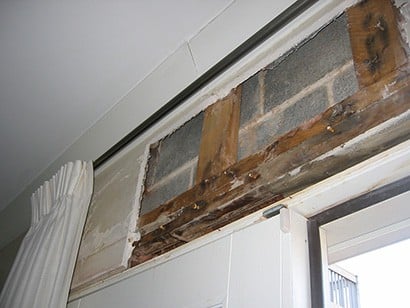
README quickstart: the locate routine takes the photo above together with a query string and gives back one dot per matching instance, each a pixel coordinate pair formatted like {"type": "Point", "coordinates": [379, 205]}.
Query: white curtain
{"type": "Point", "coordinates": [42, 271]}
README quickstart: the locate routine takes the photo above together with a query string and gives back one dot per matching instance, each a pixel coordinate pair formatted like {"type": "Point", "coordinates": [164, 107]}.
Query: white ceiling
{"type": "Point", "coordinates": [64, 64]}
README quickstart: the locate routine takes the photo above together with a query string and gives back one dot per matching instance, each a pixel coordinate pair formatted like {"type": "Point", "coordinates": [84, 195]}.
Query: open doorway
{"type": "Point", "coordinates": [380, 277]}
{"type": "Point", "coordinates": [353, 243]}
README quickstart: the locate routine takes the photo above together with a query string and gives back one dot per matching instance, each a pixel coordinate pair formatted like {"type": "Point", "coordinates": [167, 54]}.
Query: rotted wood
{"type": "Point", "coordinates": [219, 139]}
{"type": "Point", "coordinates": [295, 161]}
{"type": "Point", "coordinates": [375, 38]}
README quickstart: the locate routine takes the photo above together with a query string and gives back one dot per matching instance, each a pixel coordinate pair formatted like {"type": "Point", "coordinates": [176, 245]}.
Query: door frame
{"type": "Point", "coordinates": [316, 244]}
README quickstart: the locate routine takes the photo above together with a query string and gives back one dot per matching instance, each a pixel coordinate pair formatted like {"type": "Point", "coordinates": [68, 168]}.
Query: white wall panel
{"type": "Point", "coordinates": [263, 263]}
{"type": "Point", "coordinates": [255, 279]}
{"type": "Point", "coordinates": [295, 260]}
{"type": "Point", "coordinates": [196, 279]}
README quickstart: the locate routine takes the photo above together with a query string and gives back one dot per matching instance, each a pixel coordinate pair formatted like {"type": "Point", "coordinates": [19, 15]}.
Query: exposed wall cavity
{"type": "Point", "coordinates": [300, 85]}
{"type": "Point", "coordinates": [314, 75]}
{"type": "Point", "coordinates": [172, 164]}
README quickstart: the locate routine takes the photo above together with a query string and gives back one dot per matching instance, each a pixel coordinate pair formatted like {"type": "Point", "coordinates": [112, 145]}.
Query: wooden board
{"type": "Point", "coordinates": [376, 42]}
{"type": "Point", "coordinates": [219, 139]}
{"type": "Point", "coordinates": [294, 162]}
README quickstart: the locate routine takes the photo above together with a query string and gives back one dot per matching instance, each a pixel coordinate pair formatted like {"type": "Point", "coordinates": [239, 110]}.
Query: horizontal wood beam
{"type": "Point", "coordinates": [295, 161]}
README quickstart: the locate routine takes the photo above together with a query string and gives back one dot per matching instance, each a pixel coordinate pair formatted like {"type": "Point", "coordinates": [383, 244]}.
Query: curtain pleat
{"type": "Point", "coordinates": [42, 271]}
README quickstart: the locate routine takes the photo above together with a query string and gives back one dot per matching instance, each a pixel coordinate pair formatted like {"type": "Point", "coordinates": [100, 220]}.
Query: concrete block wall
{"type": "Point", "coordinates": [303, 83]}
{"type": "Point", "coordinates": [295, 88]}
{"type": "Point", "coordinates": [172, 164]}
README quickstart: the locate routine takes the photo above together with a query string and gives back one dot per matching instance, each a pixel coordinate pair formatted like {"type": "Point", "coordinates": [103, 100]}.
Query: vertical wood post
{"type": "Point", "coordinates": [219, 140]}
{"type": "Point", "coordinates": [376, 41]}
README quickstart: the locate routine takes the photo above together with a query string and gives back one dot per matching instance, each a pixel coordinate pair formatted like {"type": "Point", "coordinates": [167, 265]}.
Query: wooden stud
{"type": "Point", "coordinates": [269, 175]}
{"type": "Point", "coordinates": [219, 140]}
{"type": "Point", "coordinates": [375, 38]}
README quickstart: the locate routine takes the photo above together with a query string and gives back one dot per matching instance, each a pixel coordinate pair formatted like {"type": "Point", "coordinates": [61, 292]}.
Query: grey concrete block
{"type": "Point", "coordinates": [309, 62]}
{"type": "Point", "coordinates": [250, 107]}
{"type": "Point", "coordinates": [267, 132]}
{"type": "Point", "coordinates": [345, 85]}
{"type": "Point", "coordinates": [257, 137]}
{"type": "Point", "coordinates": [246, 143]}
{"type": "Point", "coordinates": [166, 191]}
{"type": "Point", "coordinates": [174, 150]}
{"type": "Point", "coordinates": [303, 110]}
{"type": "Point", "coordinates": [280, 123]}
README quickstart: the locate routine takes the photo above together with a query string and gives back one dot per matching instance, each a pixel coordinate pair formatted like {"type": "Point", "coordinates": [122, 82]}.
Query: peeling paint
{"type": "Point", "coordinates": [387, 89]}
{"type": "Point", "coordinates": [295, 171]}
{"type": "Point", "coordinates": [236, 183]}
{"type": "Point", "coordinates": [111, 220]}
